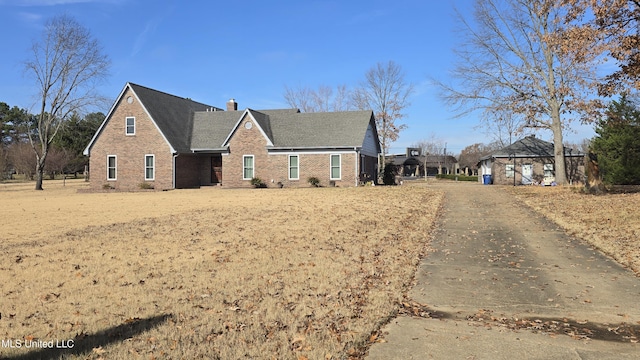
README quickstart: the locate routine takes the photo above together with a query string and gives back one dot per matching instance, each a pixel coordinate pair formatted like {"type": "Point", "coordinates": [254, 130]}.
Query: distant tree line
{"type": "Point", "coordinates": [65, 155]}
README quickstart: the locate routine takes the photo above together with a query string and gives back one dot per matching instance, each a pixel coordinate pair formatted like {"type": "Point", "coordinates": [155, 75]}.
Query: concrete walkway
{"type": "Point", "coordinates": [504, 283]}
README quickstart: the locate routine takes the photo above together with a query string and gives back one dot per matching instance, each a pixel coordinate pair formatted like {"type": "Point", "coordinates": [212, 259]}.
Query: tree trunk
{"type": "Point", "coordinates": [594, 181]}
{"type": "Point", "coordinates": [40, 170]}
{"type": "Point", "coordinates": [558, 147]}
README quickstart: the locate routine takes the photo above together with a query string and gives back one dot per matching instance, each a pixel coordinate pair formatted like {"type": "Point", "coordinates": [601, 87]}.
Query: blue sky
{"type": "Point", "coordinates": [250, 50]}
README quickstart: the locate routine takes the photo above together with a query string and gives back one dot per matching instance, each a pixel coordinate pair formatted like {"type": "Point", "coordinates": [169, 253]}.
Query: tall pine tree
{"type": "Point", "coordinates": [617, 144]}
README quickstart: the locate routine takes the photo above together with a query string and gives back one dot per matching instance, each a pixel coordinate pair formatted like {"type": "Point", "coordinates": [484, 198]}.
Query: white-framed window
{"type": "Point", "coordinates": [510, 170]}
{"type": "Point", "coordinates": [548, 170]}
{"type": "Point", "coordinates": [294, 167]}
{"type": "Point", "coordinates": [149, 167]}
{"type": "Point", "coordinates": [112, 167]}
{"type": "Point", "coordinates": [130, 125]}
{"type": "Point", "coordinates": [247, 167]}
{"type": "Point", "coordinates": [336, 171]}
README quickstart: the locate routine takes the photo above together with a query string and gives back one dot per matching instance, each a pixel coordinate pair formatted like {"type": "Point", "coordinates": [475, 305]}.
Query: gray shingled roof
{"type": "Point", "coordinates": [529, 146]}
{"type": "Point", "coordinates": [190, 126]}
{"type": "Point", "coordinates": [328, 129]}
{"type": "Point", "coordinates": [210, 129]}
{"type": "Point", "coordinates": [172, 114]}
{"type": "Point", "coordinates": [285, 128]}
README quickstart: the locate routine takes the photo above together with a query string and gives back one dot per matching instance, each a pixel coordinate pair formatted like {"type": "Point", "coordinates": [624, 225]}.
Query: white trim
{"type": "Point", "coordinates": [357, 167]}
{"type": "Point", "coordinates": [524, 179]}
{"type": "Point", "coordinates": [282, 149]}
{"type": "Point", "coordinates": [302, 152]}
{"type": "Point", "coordinates": [289, 166]}
{"type": "Point", "coordinates": [339, 167]}
{"type": "Point", "coordinates": [115, 167]}
{"type": "Point", "coordinates": [87, 151]}
{"type": "Point", "coordinates": [153, 168]}
{"type": "Point", "coordinates": [235, 127]}
{"type": "Point", "coordinates": [210, 151]}
{"type": "Point", "coordinates": [173, 151]}
{"type": "Point", "coordinates": [253, 167]}
{"type": "Point", "coordinates": [507, 171]}
{"type": "Point", "coordinates": [126, 125]}
{"type": "Point", "coordinates": [173, 170]}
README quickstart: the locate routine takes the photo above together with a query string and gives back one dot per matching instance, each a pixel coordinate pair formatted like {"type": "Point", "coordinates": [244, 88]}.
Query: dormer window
{"type": "Point", "coordinates": [130, 126]}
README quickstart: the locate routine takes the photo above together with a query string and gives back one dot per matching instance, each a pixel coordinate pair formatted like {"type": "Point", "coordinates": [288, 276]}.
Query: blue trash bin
{"type": "Point", "coordinates": [486, 179]}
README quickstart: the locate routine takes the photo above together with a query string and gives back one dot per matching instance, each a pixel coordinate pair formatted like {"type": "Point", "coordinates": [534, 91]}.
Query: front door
{"type": "Point", "coordinates": [527, 174]}
{"type": "Point", "coordinates": [216, 169]}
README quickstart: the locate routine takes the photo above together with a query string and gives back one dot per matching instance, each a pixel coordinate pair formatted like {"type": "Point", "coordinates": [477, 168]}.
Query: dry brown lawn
{"type": "Point", "coordinates": [209, 273]}
{"type": "Point", "coordinates": [609, 222]}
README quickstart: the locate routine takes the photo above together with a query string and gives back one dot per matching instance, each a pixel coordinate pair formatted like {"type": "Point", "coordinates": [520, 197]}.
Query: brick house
{"type": "Point", "coordinates": [151, 138]}
{"type": "Point", "coordinates": [529, 161]}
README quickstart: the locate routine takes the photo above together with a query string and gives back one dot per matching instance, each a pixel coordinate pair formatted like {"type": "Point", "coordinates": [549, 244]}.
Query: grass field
{"type": "Point", "coordinates": [218, 273]}
{"type": "Point", "coordinates": [209, 273]}
{"type": "Point", "coordinates": [609, 222]}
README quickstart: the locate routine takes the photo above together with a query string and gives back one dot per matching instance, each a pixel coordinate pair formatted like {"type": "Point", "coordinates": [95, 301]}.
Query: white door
{"type": "Point", "coordinates": [527, 174]}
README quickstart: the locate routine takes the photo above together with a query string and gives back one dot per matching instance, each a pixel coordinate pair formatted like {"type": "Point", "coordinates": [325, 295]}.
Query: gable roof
{"type": "Point", "coordinates": [262, 121]}
{"type": "Point", "coordinates": [172, 114]}
{"type": "Point", "coordinates": [189, 126]}
{"type": "Point", "coordinates": [529, 146]}
{"type": "Point", "coordinates": [285, 129]}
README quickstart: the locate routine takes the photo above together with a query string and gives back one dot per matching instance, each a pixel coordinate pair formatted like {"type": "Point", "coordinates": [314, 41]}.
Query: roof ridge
{"type": "Point", "coordinates": [254, 110]}
{"type": "Point", "coordinates": [172, 95]}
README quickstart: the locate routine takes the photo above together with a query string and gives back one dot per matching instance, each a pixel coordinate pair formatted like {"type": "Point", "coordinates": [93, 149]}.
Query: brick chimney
{"type": "Point", "coordinates": [232, 105]}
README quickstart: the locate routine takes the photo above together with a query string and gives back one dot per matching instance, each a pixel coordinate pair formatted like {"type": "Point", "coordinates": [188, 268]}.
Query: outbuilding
{"type": "Point", "coordinates": [529, 161]}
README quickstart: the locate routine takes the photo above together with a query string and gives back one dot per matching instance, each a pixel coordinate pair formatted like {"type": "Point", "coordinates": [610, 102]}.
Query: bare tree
{"type": "Point", "coordinates": [385, 91]}
{"type": "Point", "coordinates": [20, 156]}
{"type": "Point", "coordinates": [504, 127]}
{"type": "Point", "coordinates": [431, 145]}
{"type": "Point", "coordinates": [470, 156]}
{"type": "Point", "coordinates": [58, 161]}
{"type": "Point", "coordinates": [323, 99]}
{"type": "Point", "coordinates": [67, 64]}
{"type": "Point", "coordinates": [513, 63]}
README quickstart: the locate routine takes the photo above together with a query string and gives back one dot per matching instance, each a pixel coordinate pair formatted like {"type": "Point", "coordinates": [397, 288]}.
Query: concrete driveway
{"type": "Point", "coordinates": [505, 283]}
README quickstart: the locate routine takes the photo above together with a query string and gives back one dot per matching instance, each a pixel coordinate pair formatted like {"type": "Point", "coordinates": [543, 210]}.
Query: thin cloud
{"type": "Point", "coordinates": [422, 88]}
{"type": "Point", "coordinates": [31, 18]}
{"type": "Point", "coordinates": [142, 37]}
